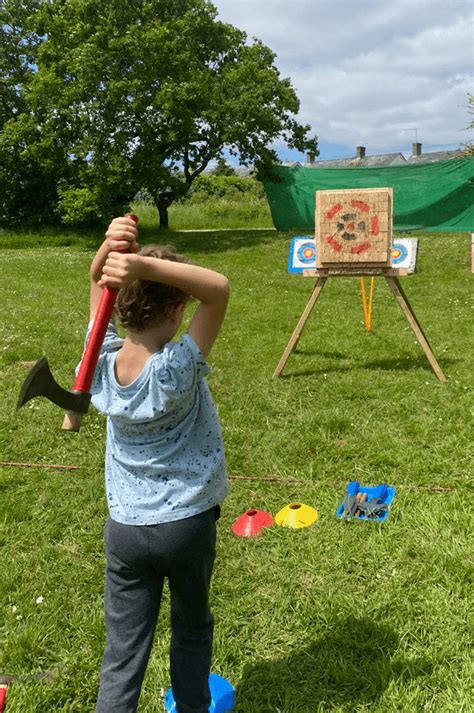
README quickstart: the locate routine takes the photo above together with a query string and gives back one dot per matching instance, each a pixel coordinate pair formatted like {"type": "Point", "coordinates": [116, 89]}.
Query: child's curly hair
{"type": "Point", "coordinates": [144, 302]}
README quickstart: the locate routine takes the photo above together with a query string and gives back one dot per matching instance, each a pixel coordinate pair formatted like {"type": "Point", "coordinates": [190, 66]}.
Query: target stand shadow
{"type": "Point", "coordinates": [354, 238]}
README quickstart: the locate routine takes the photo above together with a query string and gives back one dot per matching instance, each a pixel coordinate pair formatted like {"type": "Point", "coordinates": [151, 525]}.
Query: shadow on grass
{"type": "Point", "coordinates": [325, 355]}
{"type": "Point", "coordinates": [389, 364]}
{"type": "Point", "coordinates": [212, 241]}
{"type": "Point", "coordinates": [350, 666]}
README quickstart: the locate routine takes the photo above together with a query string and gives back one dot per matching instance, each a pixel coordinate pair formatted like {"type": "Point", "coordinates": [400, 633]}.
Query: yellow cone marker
{"type": "Point", "coordinates": [296, 515]}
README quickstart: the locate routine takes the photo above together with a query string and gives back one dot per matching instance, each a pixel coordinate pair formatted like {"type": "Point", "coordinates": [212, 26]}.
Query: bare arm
{"type": "Point", "coordinates": [121, 235]}
{"type": "Point", "coordinates": [209, 287]}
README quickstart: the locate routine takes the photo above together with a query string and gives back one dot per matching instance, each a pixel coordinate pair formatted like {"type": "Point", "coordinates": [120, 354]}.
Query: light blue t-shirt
{"type": "Point", "coordinates": [164, 457]}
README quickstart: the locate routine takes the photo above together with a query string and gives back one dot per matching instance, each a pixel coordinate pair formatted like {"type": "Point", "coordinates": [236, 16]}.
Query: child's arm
{"type": "Point", "coordinates": [121, 235]}
{"type": "Point", "coordinates": [209, 287]}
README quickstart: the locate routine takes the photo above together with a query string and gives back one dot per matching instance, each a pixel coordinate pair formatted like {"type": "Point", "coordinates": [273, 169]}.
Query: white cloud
{"type": "Point", "coordinates": [365, 71]}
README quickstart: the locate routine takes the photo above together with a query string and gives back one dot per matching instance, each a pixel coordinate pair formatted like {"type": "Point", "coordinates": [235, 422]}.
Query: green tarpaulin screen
{"type": "Point", "coordinates": [435, 196]}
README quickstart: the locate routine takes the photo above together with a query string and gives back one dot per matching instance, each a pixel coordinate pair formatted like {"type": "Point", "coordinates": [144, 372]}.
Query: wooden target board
{"type": "Point", "coordinates": [354, 228]}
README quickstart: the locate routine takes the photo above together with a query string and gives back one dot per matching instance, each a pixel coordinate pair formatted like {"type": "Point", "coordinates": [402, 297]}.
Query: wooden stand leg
{"type": "Point", "coordinates": [407, 310]}
{"type": "Point", "coordinates": [320, 282]}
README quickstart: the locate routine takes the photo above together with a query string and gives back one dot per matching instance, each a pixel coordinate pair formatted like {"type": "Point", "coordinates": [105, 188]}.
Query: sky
{"type": "Point", "coordinates": [375, 73]}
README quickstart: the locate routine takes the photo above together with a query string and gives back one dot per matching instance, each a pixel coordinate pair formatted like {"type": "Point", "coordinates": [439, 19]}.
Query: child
{"type": "Point", "coordinates": [165, 468]}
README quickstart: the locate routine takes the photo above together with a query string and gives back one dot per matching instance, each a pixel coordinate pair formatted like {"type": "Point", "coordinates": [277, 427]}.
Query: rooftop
{"type": "Point", "coordinates": [360, 160]}
{"type": "Point", "coordinates": [377, 160]}
{"type": "Point", "coordinates": [433, 156]}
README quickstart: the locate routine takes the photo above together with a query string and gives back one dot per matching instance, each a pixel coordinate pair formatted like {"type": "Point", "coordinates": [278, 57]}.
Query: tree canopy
{"type": "Point", "coordinates": [222, 168]}
{"type": "Point", "coordinates": [102, 99]}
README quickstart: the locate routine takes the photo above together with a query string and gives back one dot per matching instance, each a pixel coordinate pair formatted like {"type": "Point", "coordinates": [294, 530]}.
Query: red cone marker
{"type": "Point", "coordinates": [251, 523]}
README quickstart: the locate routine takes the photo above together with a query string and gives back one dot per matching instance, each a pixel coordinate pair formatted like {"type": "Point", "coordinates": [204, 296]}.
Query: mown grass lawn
{"type": "Point", "coordinates": [341, 616]}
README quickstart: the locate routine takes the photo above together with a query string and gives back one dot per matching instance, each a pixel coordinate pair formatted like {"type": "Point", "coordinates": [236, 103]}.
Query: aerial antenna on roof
{"type": "Point", "coordinates": [413, 128]}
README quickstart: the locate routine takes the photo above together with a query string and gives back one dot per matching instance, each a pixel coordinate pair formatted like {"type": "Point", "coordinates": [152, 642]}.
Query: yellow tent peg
{"type": "Point", "coordinates": [296, 515]}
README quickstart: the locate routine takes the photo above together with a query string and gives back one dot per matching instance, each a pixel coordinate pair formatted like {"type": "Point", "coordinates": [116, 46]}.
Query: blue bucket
{"type": "Point", "coordinates": [222, 696]}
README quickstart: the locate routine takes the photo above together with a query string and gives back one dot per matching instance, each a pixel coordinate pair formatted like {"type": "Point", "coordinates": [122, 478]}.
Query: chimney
{"type": "Point", "coordinates": [416, 149]}
{"type": "Point", "coordinates": [360, 151]}
{"type": "Point", "coordinates": [310, 157]}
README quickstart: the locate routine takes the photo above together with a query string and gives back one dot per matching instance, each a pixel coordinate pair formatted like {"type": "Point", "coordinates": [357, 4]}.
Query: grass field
{"type": "Point", "coordinates": [341, 616]}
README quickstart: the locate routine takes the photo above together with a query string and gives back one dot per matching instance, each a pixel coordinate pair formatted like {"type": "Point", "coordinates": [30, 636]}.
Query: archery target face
{"type": "Point", "coordinates": [302, 254]}
{"type": "Point", "coordinates": [399, 254]}
{"type": "Point", "coordinates": [354, 226]}
{"type": "Point", "coordinates": [404, 253]}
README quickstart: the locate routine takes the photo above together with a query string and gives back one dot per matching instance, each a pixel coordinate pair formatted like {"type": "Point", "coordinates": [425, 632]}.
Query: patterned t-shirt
{"type": "Point", "coordinates": [164, 457]}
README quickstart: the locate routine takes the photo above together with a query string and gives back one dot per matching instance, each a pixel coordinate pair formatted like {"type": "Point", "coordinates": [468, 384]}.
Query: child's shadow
{"type": "Point", "coordinates": [350, 666]}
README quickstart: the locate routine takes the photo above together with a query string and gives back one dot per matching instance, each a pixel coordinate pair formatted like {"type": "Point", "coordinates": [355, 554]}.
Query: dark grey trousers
{"type": "Point", "coordinates": [138, 560]}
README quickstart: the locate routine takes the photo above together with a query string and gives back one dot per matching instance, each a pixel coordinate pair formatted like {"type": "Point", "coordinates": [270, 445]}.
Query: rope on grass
{"type": "Point", "coordinates": [429, 488]}
{"type": "Point", "coordinates": [434, 488]}
{"type": "Point", "coordinates": [11, 464]}
{"type": "Point", "coordinates": [277, 479]}
{"type": "Point", "coordinates": [234, 476]}
{"type": "Point", "coordinates": [265, 478]}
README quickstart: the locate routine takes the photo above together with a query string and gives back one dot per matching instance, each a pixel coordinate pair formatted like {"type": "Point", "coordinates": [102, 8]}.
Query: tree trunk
{"type": "Point", "coordinates": [164, 199]}
{"type": "Point", "coordinates": [162, 206]}
{"type": "Point", "coordinates": [163, 213]}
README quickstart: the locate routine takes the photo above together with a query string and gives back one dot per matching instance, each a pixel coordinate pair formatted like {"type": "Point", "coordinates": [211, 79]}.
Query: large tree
{"type": "Point", "coordinates": [126, 95]}
{"type": "Point", "coordinates": [27, 186]}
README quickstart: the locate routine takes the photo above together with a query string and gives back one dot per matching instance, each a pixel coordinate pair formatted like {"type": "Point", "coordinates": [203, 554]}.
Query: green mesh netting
{"type": "Point", "coordinates": [435, 196]}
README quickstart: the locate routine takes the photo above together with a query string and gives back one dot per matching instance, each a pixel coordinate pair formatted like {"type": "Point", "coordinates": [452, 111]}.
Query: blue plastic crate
{"type": "Point", "coordinates": [222, 696]}
{"type": "Point", "coordinates": [386, 493]}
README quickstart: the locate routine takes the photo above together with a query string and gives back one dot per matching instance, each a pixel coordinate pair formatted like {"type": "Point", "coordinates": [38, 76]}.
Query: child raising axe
{"type": "Point", "coordinates": [165, 469]}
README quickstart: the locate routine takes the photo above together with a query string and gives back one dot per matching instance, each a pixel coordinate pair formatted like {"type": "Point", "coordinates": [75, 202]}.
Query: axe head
{"type": "Point", "coordinates": [6, 679]}
{"type": "Point", "coordinates": [41, 382]}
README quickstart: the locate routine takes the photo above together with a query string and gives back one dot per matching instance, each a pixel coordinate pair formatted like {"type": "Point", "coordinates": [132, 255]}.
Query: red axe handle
{"type": "Point", "coordinates": [85, 374]}
{"type": "Point", "coordinates": [3, 696]}
{"type": "Point", "coordinates": [83, 381]}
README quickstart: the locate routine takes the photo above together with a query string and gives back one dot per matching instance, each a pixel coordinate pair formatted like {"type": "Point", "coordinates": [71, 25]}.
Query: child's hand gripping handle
{"type": "Point", "coordinates": [82, 384]}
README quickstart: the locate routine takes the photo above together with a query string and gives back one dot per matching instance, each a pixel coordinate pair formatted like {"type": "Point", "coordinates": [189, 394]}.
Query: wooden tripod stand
{"type": "Point", "coordinates": [391, 275]}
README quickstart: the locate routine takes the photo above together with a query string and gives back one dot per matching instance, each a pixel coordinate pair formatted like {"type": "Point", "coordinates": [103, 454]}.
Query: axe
{"type": "Point", "coordinates": [41, 382]}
